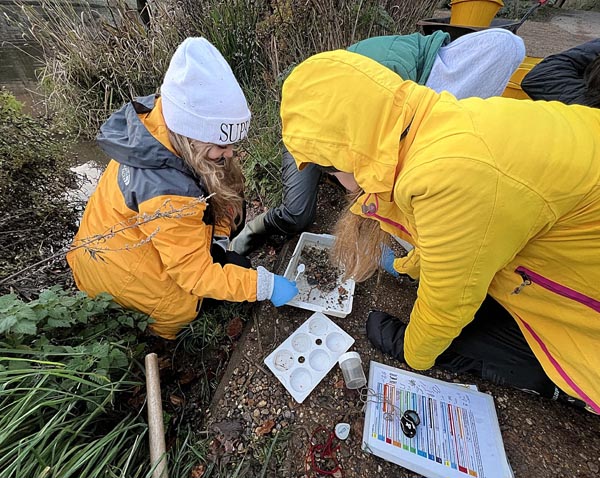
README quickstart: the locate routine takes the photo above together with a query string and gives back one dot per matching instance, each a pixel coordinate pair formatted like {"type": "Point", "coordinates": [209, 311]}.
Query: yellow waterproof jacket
{"type": "Point", "coordinates": [156, 254]}
{"type": "Point", "coordinates": [498, 196]}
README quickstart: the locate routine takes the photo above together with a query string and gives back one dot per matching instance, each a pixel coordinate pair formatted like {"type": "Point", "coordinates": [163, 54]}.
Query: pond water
{"type": "Point", "coordinates": [19, 62]}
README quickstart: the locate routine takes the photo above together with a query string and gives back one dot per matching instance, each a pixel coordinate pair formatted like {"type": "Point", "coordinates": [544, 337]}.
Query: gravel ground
{"type": "Point", "coordinates": [542, 438]}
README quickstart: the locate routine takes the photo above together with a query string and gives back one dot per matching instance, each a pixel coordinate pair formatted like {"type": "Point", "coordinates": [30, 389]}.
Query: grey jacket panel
{"type": "Point", "coordinates": [125, 139]}
{"type": "Point", "coordinates": [141, 184]}
{"type": "Point", "coordinates": [147, 169]}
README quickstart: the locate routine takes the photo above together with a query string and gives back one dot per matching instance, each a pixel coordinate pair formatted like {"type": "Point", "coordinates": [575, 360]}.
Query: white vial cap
{"type": "Point", "coordinates": [348, 356]}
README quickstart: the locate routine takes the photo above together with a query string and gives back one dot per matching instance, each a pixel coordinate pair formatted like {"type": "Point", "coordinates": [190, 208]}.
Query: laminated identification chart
{"type": "Point", "coordinates": [458, 435]}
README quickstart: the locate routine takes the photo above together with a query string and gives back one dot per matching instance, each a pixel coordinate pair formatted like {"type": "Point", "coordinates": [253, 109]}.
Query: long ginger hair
{"type": "Point", "coordinates": [358, 244]}
{"type": "Point", "coordinates": [225, 181]}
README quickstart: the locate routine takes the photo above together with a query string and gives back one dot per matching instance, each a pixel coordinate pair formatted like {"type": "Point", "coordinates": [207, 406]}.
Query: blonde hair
{"type": "Point", "coordinates": [358, 245]}
{"type": "Point", "coordinates": [225, 180]}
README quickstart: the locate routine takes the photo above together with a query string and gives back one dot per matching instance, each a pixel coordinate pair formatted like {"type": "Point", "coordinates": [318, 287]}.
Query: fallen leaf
{"type": "Point", "coordinates": [265, 428]}
{"type": "Point", "coordinates": [214, 451]}
{"type": "Point", "coordinates": [164, 362]}
{"type": "Point", "coordinates": [177, 401]}
{"type": "Point", "coordinates": [229, 446]}
{"type": "Point", "coordinates": [339, 384]}
{"type": "Point", "coordinates": [198, 471]}
{"type": "Point", "coordinates": [234, 328]}
{"type": "Point", "coordinates": [188, 377]}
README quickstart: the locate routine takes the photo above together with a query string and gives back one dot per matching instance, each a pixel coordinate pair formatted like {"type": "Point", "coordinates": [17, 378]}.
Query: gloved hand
{"type": "Point", "coordinates": [284, 290]}
{"type": "Point", "coordinates": [387, 261]}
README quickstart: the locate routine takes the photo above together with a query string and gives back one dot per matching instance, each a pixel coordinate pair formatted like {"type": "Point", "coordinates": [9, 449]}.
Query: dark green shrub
{"type": "Point", "coordinates": [35, 216]}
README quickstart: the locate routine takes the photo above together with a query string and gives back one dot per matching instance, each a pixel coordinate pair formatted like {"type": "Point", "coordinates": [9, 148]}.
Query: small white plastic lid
{"type": "Point", "coordinates": [348, 356]}
{"type": "Point", "coordinates": [342, 430]}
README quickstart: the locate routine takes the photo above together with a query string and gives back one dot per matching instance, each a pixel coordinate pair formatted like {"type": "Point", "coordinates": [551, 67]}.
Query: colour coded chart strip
{"type": "Point", "coordinates": [447, 433]}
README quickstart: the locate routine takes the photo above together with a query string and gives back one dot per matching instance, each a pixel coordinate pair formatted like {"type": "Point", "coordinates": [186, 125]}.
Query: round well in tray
{"type": "Point", "coordinates": [317, 326]}
{"type": "Point", "coordinates": [300, 380]}
{"type": "Point", "coordinates": [283, 360]}
{"type": "Point", "coordinates": [335, 342]}
{"type": "Point", "coordinates": [319, 360]}
{"type": "Point", "coordinates": [301, 342]}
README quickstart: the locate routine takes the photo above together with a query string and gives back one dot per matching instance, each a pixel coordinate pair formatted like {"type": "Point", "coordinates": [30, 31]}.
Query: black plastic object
{"type": "Point", "coordinates": [409, 422]}
{"type": "Point", "coordinates": [429, 25]}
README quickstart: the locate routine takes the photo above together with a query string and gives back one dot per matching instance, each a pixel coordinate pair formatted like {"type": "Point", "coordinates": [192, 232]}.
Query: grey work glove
{"type": "Point", "coordinates": [251, 237]}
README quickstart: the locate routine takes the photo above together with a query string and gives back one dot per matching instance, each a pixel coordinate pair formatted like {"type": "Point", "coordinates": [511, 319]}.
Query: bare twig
{"type": "Point", "coordinates": [118, 228]}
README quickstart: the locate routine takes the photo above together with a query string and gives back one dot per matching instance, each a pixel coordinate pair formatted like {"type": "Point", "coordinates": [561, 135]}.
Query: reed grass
{"type": "Point", "coordinates": [94, 62]}
{"type": "Point", "coordinates": [59, 422]}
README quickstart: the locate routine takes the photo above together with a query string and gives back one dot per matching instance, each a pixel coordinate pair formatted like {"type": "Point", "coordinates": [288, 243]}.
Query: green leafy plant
{"type": "Point", "coordinates": [55, 309]}
{"type": "Point", "coordinates": [66, 361]}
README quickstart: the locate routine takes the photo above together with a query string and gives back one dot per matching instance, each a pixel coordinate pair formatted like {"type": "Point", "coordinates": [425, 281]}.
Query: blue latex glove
{"type": "Point", "coordinates": [283, 291]}
{"type": "Point", "coordinates": [387, 261]}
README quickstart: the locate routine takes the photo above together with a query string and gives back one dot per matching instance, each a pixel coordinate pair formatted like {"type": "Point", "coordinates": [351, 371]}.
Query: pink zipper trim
{"type": "Point", "coordinates": [371, 211]}
{"type": "Point", "coordinates": [569, 294]}
{"type": "Point", "coordinates": [560, 370]}
{"type": "Point", "coordinates": [560, 289]}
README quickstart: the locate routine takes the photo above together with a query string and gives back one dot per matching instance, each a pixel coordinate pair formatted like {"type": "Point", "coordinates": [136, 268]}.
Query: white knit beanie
{"type": "Point", "coordinates": [201, 98]}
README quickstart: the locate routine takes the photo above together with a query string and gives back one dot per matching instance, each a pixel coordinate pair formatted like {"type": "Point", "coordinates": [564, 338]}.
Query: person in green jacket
{"type": "Point", "coordinates": [477, 64]}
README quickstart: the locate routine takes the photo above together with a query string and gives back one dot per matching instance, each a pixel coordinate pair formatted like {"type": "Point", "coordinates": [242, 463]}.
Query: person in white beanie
{"type": "Point", "coordinates": [168, 150]}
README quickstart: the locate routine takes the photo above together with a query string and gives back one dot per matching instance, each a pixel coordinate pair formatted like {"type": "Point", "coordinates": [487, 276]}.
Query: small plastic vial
{"type": "Point", "coordinates": [351, 366]}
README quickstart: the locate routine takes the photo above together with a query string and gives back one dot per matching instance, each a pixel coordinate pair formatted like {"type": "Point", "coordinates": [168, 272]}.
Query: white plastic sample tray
{"type": "Point", "coordinates": [337, 302]}
{"type": "Point", "coordinates": [308, 354]}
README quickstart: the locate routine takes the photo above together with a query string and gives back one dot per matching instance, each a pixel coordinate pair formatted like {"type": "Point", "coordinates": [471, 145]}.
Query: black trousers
{"type": "Point", "coordinates": [493, 347]}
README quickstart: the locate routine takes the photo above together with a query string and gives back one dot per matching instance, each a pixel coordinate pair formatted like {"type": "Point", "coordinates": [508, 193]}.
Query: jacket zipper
{"type": "Point", "coordinates": [370, 210]}
{"type": "Point", "coordinates": [529, 277]}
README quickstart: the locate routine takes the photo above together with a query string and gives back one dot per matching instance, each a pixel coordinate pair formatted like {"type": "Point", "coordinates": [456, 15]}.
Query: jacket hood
{"type": "Point", "coordinates": [137, 136]}
{"type": "Point", "coordinates": [345, 110]}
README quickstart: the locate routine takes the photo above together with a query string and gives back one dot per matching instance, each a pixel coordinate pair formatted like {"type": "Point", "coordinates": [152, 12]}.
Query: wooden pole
{"type": "Point", "coordinates": [158, 455]}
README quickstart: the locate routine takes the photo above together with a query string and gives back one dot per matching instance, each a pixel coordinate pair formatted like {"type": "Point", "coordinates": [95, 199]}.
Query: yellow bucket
{"type": "Point", "coordinates": [513, 88]}
{"type": "Point", "coordinates": [474, 13]}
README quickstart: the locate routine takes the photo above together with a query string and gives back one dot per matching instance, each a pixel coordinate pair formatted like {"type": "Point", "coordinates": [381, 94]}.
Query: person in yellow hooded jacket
{"type": "Point", "coordinates": [500, 199]}
{"type": "Point", "coordinates": [154, 233]}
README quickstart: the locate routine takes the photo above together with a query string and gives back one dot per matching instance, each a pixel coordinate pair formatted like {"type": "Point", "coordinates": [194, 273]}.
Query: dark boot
{"type": "Point", "coordinates": [253, 236]}
{"type": "Point", "coordinates": [386, 333]}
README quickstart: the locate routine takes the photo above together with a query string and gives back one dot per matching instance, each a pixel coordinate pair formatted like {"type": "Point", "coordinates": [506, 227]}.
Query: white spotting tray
{"type": "Point", "coordinates": [305, 357]}
{"type": "Point", "coordinates": [311, 298]}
